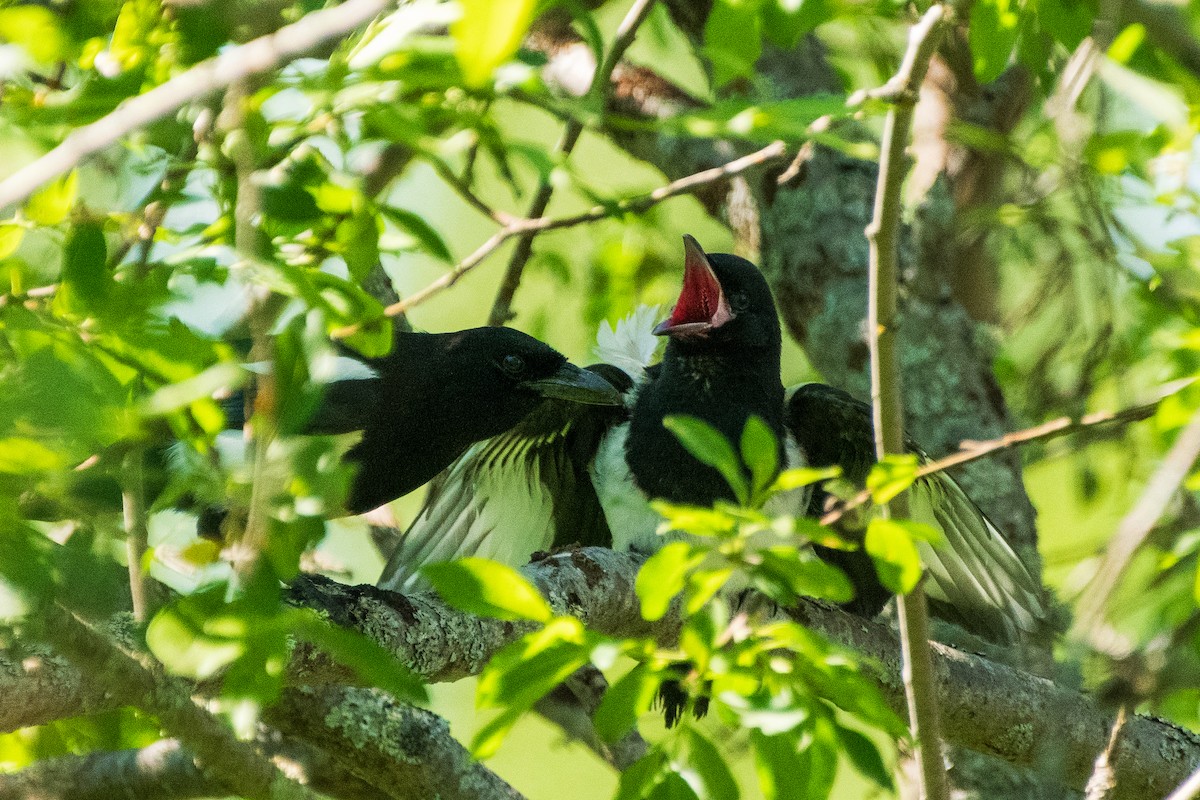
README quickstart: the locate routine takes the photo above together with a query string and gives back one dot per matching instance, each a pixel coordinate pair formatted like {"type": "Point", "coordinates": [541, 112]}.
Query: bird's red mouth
{"type": "Point", "coordinates": [701, 305]}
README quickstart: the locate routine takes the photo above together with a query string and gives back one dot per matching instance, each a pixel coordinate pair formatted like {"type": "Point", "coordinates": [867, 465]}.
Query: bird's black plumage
{"type": "Point", "coordinates": [721, 365]}
{"type": "Point", "coordinates": [433, 395]}
{"type": "Point", "coordinates": [436, 394]}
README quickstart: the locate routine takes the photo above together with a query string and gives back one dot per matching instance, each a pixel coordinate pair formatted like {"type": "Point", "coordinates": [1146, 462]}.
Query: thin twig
{"type": "Point", "coordinates": [142, 683]}
{"type": "Point", "coordinates": [255, 57]}
{"type": "Point", "coordinates": [882, 235]}
{"type": "Point", "coordinates": [464, 190]}
{"type": "Point", "coordinates": [973, 451]}
{"type": "Point", "coordinates": [261, 422]}
{"type": "Point", "coordinates": [772, 152]}
{"type": "Point", "coordinates": [1103, 781]}
{"type": "Point", "coordinates": [1137, 525]}
{"type": "Point", "coordinates": [133, 508]}
{"type": "Point", "coordinates": [597, 93]}
{"type": "Point", "coordinates": [1189, 789]}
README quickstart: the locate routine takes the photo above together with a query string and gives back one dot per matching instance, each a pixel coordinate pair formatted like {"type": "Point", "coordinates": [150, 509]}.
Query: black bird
{"type": "Point", "coordinates": [506, 498]}
{"type": "Point", "coordinates": [433, 395]}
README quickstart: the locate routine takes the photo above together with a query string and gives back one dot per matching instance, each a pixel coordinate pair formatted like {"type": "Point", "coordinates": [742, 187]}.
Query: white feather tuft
{"type": "Point", "coordinates": [632, 344]}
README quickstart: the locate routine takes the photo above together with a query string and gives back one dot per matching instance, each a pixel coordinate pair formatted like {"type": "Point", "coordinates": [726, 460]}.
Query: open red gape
{"type": "Point", "coordinates": [701, 305]}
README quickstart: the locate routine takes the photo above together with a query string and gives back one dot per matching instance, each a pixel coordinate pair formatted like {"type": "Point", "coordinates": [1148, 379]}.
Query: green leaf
{"type": "Point", "coordinates": [693, 520]}
{"type": "Point", "coordinates": [373, 664]}
{"type": "Point", "coordinates": [865, 757]}
{"type": "Point", "coordinates": [189, 640]}
{"type": "Point", "coordinates": [627, 698]}
{"type": "Point", "coordinates": [358, 240]}
{"type": "Point", "coordinates": [785, 22]}
{"type": "Point", "coordinates": [799, 477]}
{"type": "Point", "coordinates": [732, 40]}
{"type": "Point", "coordinates": [709, 447]}
{"type": "Point", "coordinates": [760, 452]}
{"type": "Point", "coordinates": [673, 786]}
{"type": "Point", "coordinates": [525, 671]}
{"type": "Point", "coordinates": [22, 456]}
{"type": "Point", "coordinates": [488, 34]}
{"type": "Point", "coordinates": [422, 232]}
{"type": "Point", "coordinates": [662, 577]}
{"type": "Point", "coordinates": [709, 776]}
{"type": "Point", "coordinates": [50, 204]}
{"type": "Point", "coordinates": [703, 585]}
{"type": "Point", "coordinates": [891, 546]}
{"type": "Point", "coordinates": [11, 236]}
{"type": "Point", "coordinates": [640, 779]}
{"type": "Point", "coordinates": [175, 396]}
{"type": "Point", "coordinates": [891, 476]}
{"type": "Point", "coordinates": [489, 589]}
{"type": "Point", "coordinates": [780, 770]}
{"type": "Point", "coordinates": [993, 36]}
{"type": "Point", "coordinates": [36, 30]}
{"type": "Point", "coordinates": [804, 574]}
{"type": "Point", "coordinates": [85, 278]}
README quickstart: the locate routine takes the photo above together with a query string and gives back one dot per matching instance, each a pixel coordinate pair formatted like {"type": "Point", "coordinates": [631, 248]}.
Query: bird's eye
{"type": "Point", "coordinates": [513, 365]}
{"type": "Point", "coordinates": [738, 302]}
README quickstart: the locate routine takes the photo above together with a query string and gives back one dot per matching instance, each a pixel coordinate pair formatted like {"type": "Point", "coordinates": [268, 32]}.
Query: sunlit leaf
{"type": "Point", "coordinates": [760, 452]}
{"type": "Point", "coordinates": [891, 476]}
{"type": "Point", "coordinates": [50, 204]}
{"type": "Point", "coordinates": [488, 34]}
{"type": "Point", "coordinates": [487, 588]}
{"type": "Point", "coordinates": [625, 700]}
{"type": "Point", "coordinates": [732, 39]}
{"type": "Point", "coordinates": [708, 446]}
{"type": "Point", "coordinates": [865, 757]}
{"type": "Point", "coordinates": [663, 576]}
{"type": "Point", "coordinates": [993, 35]}
{"type": "Point", "coordinates": [709, 775]}
{"type": "Point", "coordinates": [897, 562]}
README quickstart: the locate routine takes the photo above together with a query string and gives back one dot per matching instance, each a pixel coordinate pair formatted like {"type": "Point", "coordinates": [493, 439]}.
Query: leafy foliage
{"type": "Point", "coordinates": [146, 283]}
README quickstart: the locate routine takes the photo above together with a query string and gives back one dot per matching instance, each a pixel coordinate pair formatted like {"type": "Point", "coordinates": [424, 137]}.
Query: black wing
{"type": "Point", "coordinates": [975, 578]}
{"type": "Point", "coordinates": [515, 494]}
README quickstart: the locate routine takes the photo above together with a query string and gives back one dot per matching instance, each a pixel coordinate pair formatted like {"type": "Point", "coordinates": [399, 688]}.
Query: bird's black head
{"type": "Point", "coordinates": [725, 302]}
{"type": "Point", "coordinates": [520, 371]}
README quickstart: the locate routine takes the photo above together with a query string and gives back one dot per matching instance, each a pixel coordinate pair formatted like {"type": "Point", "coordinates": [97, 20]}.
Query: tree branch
{"type": "Point", "coordinates": [989, 707]}
{"type": "Point", "coordinates": [973, 451]}
{"type": "Point", "coordinates": [597, 91]}
{"type": "Point", "coordinates": [238, 63]}
{"type": "Point", "coordinates": [883, 235]}
{"type": "Point", "coordinates": [636, 205]}
{"type": "Point", "coordinates": [406, 752]}
{"type": "Point", "coordinates": [223, 758]}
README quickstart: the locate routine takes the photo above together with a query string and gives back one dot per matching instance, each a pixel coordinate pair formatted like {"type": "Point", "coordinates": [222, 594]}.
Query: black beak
{"type": "Point", "coordinates": [577, 385]}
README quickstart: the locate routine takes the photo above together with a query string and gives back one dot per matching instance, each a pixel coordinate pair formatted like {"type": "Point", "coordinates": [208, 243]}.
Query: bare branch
{"type": "Point", "coordinates": [406, 752]}
{"type": "Point", "coordinates": [1136, 526]}
{"type": "Point", "coordinates": [597, 92]}
{"type": "Point", "coordinates": [238, 63]}
{"type": "Point", "coordinates": [973, 451]}
{"type": "Point", "coordinates": [772, 152]}
{"type": "Point", "coordinates": [133, 508]}
{"type": "Point", "coordinates": [883, 234]}
{"type": "Point", "coordinates": [137, 682]}
{"type": "Point", "coordinates": [1029, 720]}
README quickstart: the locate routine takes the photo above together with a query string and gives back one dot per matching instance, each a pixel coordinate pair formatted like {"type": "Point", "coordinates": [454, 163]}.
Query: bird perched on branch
{"type": "Point", "coordinates": [584, 474]}
{"type": "Point", "coordinates": [418, 408]}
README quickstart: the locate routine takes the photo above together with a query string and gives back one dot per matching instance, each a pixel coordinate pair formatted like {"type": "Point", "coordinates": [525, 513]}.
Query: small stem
{"type": "Point", "coordinates": [883, 235]}
{"type": "Point", "coordinates": [597, 93]}
{"type": "Point", "coordinates": [772, 152]}
{"type": "Point", "coordinates": [133, 507]}
{"type": "Point", "coordinates": [973, 451]}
